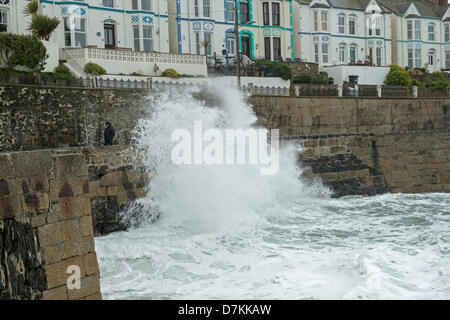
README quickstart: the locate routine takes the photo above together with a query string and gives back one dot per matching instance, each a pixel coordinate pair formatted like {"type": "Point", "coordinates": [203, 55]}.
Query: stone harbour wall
{"type": "Point", "coordinates": [46, 226]}
{"type": "Point", "coordinates": [407, 162]}
{"type": "Point", "coordinates": [332, 115]}
{"type": "Point", "coordinates": [37, 118]}
{"type": "Point", "coordinates": [117, 177]}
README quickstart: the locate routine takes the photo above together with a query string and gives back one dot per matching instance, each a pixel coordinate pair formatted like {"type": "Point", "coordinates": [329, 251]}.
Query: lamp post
{"type": "Point", "coordinates": [236, 36]}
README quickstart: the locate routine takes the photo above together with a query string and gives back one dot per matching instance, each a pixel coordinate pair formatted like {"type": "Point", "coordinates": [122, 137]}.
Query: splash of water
{"type": "Point", "coordinates": [210, 196]}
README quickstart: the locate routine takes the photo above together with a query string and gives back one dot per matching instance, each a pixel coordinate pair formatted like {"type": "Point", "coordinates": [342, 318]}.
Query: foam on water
{"type": "Point", "coordinates": [227, 232]}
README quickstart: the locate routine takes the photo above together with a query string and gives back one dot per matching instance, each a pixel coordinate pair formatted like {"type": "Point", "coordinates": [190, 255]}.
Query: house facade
{"type": "Point", "coordinates": [334, 32]}
{"type": "Point", "coordinates": [207, 27]}
{"type": "Point", "coordinates": [422, 32]}
{"type": "Point", "coordinates": [123, 36]}
{"type": "Point", "coordinates": [413, 34]}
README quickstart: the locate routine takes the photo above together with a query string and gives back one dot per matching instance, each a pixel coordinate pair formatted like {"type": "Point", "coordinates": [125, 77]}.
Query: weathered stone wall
{"type": "Point", "coordinates": [297, 116]}
{"type": "Point", "coordinates": [46, 226]}
{"type": "Point", "coordinates": [117, 176]}
{"type": "Point", "coordinates": [412, 162]}
{"type": "Point", "coordinates": [36, 118]}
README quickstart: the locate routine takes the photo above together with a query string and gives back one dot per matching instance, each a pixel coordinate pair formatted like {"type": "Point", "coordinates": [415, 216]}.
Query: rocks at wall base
{"type": "Point", "coordinates": [117, 177]}
{"type": "Point", "coordinates": [413, 162]}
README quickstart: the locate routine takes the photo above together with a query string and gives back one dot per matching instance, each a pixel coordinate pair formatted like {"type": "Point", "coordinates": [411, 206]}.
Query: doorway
{"type": "Point", "coordinates": [245, 42]}
{"type": "Point", "coordinates": [110, 36]}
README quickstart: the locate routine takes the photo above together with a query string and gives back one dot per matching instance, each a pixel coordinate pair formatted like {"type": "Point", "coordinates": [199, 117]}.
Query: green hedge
{"type": "Point", "coordinates": [278, 69]}
{"type": "Point", "coordinates": [398, 76]}
{"type": "Point", "coordinates": [22, 50]}
{"type": "Point", "coordinates": [94, 69]}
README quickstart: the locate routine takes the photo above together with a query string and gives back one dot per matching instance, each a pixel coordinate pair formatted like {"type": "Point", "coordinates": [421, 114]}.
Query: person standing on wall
{"type": "Point", "coordinates": [109, 134]}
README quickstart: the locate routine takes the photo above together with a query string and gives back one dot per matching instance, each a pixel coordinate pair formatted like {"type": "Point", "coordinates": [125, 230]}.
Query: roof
{"type": "Point", "coordinates": [426, 7]}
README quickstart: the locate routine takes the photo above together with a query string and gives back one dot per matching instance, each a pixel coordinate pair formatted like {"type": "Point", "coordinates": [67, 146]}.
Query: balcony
{"type": "Point", "coordinates": [118, 61]}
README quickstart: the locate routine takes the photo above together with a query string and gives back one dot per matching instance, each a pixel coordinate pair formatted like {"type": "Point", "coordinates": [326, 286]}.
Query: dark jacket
{"type": "Point", "coordinates": [109, 135]}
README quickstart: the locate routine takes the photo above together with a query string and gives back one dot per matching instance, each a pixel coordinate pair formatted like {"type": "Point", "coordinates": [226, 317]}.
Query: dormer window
{"type": "Point", "coordinates": [321, 19]}
{"type": "Point", "coordinates": [374, 25]}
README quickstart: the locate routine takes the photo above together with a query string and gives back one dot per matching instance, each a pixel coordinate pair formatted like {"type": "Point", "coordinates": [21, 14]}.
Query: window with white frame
{"type": "Point", "coordinates": [146, 5]}
{"type": "Point", "coordinates": [75, 32]}
{"type": "Point", "coordinates": [353, 53]}
{"type": "Point", "coordinates": [231, 45]}
{"type": "Point", "coordinates": [196, 13]}
{"type": "Point", "coordinates": [316, 20]}
{"type": "Point", "coordinates": [197, 43]}
{"type": "Point", "coordinates": [324, 20]}
{"type": "Point", "coordinates": [352, 24]}
{"type": "Point", "coordinates": [325, 52]}
{"type": "Point", "coordinates": [431, 31]}
{"type": "Point", "coordinates": [134, 5]}
{"type": "Point", "coordinates": [417, 30]}
{"type": "Point", "coordinates": [108, 3]}
{"type": "Point", "coordinates": [447, 59]}
{"type": "Point", "coordinates": [207, 8]}
{"type": "Point", "coordinates": [341, 50]}
{"type": "Point", "coordinates": [229, 10]}
{"type": "Point", "coordinates": [418, 58]}
{"type": "Point", "coordinates": [137, 38]}
{"type": "Point", "coordinates": [374, 25]}
{"type": "Point", "coordinates": [147, 38]}
{"type": "Point", "coordinates": [447, 32]}
{"type": "Point", "coordinates": [409, 27]}
{"type": "Point", "coordinates": [379, 56]}
{"type": "Point", "coordinates": [316, 53]}
{"type": "Point", "coordinates": [207, 38]}
{"type": "Point", "coordinates": [3, 20]}
{"type": "Point", "coordinates": [411, 58]}
{"type": "Point", "coordinates": [341, 23]}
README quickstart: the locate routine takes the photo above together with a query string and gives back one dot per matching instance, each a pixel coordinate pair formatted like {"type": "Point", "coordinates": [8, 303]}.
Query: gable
{"type": "Point", "coordinates": [373, 6]}
{"type": "Point", "coordinates": [319, 4]}
{"type": "Point", "coordinates": [412, 11]}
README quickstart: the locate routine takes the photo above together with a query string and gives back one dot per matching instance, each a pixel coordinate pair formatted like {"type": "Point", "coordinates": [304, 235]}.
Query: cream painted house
{"type": "Point", "coordinates": [124, 36]}
{"type": "Point", "coordinates": [265, 28]}
{"type": "Point", "coordinates": [410, 33]}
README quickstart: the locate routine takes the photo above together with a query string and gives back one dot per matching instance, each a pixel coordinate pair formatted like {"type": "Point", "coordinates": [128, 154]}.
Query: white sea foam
{"type": "Point", "coordinates": [228, 232]}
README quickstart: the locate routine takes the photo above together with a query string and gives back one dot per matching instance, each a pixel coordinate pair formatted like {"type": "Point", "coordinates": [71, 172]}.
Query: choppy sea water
{"type": "Point", "coordinates": [383, 247]}
{"type": "Point", "coordinates": [227, 232]}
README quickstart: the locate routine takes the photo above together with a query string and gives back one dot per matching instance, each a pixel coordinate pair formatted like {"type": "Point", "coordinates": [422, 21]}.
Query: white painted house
{"type": "Point", "coordinates": [265, 28]}
{"type": "Point", "coordinates": [123, 36]}
{"type": "Point", "coordinates": [410, 33]}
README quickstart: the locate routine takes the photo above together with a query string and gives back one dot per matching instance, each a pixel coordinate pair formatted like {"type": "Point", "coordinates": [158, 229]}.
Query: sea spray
{"type": "Point", "coordinates": [210, 195]}
{"type": "Point", "coordinates": [227, 232]}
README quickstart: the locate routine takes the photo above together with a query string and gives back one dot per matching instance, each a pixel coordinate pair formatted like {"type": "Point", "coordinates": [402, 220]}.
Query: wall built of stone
{"type": "Point", "coordinates": [46, 226]}
{"type": "Point", "coordinates": [413, 162]}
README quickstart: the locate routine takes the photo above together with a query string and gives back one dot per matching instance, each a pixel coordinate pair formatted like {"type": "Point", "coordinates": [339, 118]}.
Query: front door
{"type": "Point", "coordinates": [110, 36]}
{"type": "Point", "coordinates": [245, 42]}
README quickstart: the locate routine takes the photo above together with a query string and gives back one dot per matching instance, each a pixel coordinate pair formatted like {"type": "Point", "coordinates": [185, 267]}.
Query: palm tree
{"type": "Point", "coordinates": [41, 25]}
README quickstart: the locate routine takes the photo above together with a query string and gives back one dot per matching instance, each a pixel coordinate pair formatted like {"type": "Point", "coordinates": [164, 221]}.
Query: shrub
{"type": "Point", "coordinates": [437, 85]}
{"type": "Point", "coordinates": [278, 69]}
{"type": "Point", "coordinates": [302, 78]}
{"type": "Point", "coordinates": [62, 70]}
{"type": "Point", "coordinates": [94, 69]}
{"type": "Point", "coordinates": [398, 76]}
{"type": "Point", "coordinates": [22, 50]}
{"type": "Point", "coordinates": [170, 73]}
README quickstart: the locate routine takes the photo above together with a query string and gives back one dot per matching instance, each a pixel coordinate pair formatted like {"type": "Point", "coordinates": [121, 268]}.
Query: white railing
{"type": "Point", "coordinates": [132, 56]}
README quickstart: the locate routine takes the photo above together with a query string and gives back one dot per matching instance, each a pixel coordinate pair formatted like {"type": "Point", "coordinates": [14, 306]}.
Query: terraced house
{"type": "Point", "coordinates": [124, 36]}
{"type": "Point", "coordinates": [379, 32]}
{"type": "Point", "coordinates": [207, 27]}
